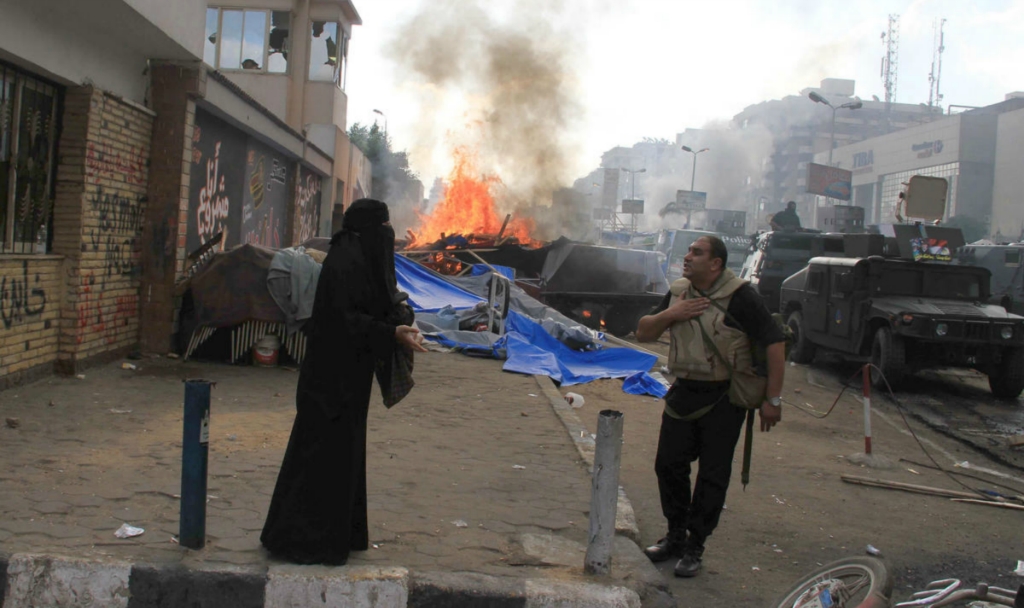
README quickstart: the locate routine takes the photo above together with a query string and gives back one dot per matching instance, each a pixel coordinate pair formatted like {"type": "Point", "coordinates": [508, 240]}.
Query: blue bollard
{"type": "Point", "coordinates": [195, 443]}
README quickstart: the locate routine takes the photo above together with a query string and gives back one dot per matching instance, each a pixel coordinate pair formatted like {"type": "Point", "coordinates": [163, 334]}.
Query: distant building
{"type": "Point", "coordinates": [800, 128]}
{"type": "Point", "coordinates": [979, 152]}
{"type": "Point", "coordinates": [841, 218]}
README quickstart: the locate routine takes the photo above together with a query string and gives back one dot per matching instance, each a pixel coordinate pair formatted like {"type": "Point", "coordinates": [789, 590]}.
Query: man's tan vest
{"type": "Point", "coordinates": [689, 357]}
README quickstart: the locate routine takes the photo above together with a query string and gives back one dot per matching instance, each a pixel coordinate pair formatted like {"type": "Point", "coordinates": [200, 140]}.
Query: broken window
{"type": "Point", "coordinates": [323, 52]}
{"type": "Point", "coordinates": [27, 139]}
{"type": "Point", "coordinates": [251, 40]}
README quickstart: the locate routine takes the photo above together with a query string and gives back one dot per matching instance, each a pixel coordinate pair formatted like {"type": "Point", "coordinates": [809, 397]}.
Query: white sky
{"type": "Point", "coordinates": [651, 68]}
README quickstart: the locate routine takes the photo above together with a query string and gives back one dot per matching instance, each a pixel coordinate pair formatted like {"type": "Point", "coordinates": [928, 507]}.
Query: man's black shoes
{"type": "Point", "coordinates": [663, 550]}
{"type": "Point", "coordinates": [689, 564]}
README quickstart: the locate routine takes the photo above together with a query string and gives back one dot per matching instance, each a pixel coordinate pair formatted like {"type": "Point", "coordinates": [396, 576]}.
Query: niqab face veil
{"type": "Point", "coordinates": [366, 218]}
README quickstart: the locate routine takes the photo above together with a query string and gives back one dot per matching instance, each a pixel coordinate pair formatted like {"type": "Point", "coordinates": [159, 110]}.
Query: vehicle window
{"type": "Point", "coordinates": [836, 277]}
{"type": "Point", "coordinates": [900, 282]}
{"type": "Point", "coordinates": [1012, 257]}
{"type": "Point", "coordinates": [832, 246]}
{"type": "Point", "coordinates": [814, 282]}
{"type": "Point", "coordinates": [946, 285]}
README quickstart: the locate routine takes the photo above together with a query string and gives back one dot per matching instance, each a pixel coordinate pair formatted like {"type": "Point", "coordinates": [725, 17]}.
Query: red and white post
{"type": "Point", "coordinates": [867, 409]}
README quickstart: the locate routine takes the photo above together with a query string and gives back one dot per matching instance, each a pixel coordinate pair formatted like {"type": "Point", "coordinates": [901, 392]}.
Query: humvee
{"type": "Point", "coordinates": [903, 316]}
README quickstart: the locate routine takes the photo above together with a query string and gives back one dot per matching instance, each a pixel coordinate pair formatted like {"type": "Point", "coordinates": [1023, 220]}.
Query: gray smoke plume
{"type": "Point", "coordinates": [517, 78]}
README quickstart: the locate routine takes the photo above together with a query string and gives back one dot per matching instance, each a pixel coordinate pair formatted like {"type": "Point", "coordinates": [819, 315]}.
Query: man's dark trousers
{"type": "Point", "coordinates": [711, 439]}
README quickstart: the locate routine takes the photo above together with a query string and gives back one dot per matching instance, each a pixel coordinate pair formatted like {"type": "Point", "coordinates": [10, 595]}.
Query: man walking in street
{"type": "Point", "coordinates": [715, 320]}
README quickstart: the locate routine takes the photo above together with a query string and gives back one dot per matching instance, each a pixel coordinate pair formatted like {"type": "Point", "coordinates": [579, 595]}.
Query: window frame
{"type": "Point", "coordinates": [339, 74]}
{"type": "Point", "coordinates": [268, 25]}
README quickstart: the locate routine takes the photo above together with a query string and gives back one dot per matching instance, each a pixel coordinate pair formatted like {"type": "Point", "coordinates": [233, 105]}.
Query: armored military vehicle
{"type": "Point", "coordinates": [904, 314]}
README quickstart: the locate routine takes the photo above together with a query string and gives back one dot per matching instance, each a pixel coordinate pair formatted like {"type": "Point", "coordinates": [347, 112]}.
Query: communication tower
{"type": "Point", "coordinates": [890, 61]}
{"type": "Point", "coordinates": [934, 96]}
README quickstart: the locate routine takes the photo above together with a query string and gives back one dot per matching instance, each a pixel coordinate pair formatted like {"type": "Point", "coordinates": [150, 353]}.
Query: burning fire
{"type": "Point", "coordinates": [467, 208]}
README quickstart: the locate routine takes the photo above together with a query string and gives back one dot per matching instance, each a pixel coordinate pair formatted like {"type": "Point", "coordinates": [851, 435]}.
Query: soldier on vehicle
{"type": "Point", "coordinates": [786, 220]}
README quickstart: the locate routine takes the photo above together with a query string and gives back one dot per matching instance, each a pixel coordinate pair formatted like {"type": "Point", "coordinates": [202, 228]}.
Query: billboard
{"type": "Point", "coordinates": [690, 200]}
{"type": "Point", "coordinates": [923, 243]}
{"type": "Point", "coordinates": [832, 182]}
{"type": "Point", "coordinates": [610, 188]}
{"type": "Point", "coordinates": [265, 196]}
{"type": "Point", "coordinates": [215, 182]}
{"type": "Point", "coordinates": [632, 205]}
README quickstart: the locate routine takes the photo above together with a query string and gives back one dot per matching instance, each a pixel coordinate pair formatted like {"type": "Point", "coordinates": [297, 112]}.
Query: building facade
{"type": "Point", "coordinates": [800, 128]}
{"type": "Point", "coordinates": [964, 148]}
{"type": "Point", "coordinates": [123, 154]}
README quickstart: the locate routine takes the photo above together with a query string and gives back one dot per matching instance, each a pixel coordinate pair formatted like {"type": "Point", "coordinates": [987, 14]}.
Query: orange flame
{"type": "Point", "coordinates": [468, 208]}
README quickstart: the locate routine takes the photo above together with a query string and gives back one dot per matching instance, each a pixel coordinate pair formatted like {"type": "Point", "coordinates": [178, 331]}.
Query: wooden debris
{"type": "Point", "coordinates": [991, 503]}
{"type": "Point", "coordinates": [907, 487]}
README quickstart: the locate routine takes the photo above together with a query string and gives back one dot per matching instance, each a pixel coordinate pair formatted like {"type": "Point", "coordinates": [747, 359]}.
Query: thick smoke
{"type": "Point", "coordinates": [513, 84]}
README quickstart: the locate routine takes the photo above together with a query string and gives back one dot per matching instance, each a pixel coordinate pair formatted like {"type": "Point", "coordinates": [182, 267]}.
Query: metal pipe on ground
{"type": "Point", "coordinates": [605, 493]}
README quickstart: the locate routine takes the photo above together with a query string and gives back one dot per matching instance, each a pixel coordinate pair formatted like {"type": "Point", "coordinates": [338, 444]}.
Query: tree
{"type": "Point", "coordinates": [389, 168]}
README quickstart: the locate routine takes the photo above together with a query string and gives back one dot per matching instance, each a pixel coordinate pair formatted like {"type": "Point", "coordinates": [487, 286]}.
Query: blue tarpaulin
{"type": "Point", "coordinates": [479, 269]}
{"type": "Point", "coordinates": [529, 349]}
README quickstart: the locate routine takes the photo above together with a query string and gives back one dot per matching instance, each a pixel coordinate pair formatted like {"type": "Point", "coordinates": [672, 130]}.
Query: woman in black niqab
{"type": "Point", "coordinates": [318, 510]}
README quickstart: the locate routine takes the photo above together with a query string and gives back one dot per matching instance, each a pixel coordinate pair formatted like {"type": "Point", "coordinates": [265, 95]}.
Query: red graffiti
{"type": "Point", "coordinates": [102, 317]}
{"type": "Point", "coordinates": [102, 160]}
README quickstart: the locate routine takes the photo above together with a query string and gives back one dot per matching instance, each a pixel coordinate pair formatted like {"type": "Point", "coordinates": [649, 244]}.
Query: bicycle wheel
{"type": "Point", "coordinates": [853, 582]}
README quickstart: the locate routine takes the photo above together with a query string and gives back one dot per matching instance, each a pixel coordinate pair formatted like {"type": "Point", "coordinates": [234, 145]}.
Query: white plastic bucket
{"type": "Point", "coordinates": [264, 353]}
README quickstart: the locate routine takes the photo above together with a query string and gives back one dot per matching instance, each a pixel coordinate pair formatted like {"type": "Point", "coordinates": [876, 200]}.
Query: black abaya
{"type": "Point", "coordinates": [318, 511]}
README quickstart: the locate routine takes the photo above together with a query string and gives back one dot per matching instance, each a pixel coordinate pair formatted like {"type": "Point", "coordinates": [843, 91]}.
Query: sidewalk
{"type": "Point", "coordinates": [479, 495]}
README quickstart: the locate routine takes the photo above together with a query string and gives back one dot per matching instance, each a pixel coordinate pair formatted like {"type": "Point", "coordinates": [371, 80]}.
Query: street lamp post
{"type": "Point", "coordinates": [850, 105]}
{"type": "Point", "coordinates": [693, 175]}
{"type": "Point", "coordinates": [385, 123]}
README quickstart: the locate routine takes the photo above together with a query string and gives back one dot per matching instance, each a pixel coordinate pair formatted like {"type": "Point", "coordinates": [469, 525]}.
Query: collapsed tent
{"type": "Point", "coordinates": [249, 292]}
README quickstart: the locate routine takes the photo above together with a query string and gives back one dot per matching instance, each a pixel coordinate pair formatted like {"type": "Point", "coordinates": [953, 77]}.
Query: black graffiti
{"type": "Point", "coordinates": [119, 253]}
{"type": "Point", "coordinates": [117, 213]}
{"type": "Point", "coordinates": [18, 300]}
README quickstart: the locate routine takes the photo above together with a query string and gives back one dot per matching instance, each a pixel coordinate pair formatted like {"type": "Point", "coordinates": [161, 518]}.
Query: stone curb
{"type": "Point", "coordinates": [42, 581]}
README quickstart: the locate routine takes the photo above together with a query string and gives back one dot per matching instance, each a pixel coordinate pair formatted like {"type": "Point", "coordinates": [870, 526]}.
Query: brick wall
{"type": "Point", "coordinates": [30, 300]}
{"type": "Point", "coordinates": [102, 180]}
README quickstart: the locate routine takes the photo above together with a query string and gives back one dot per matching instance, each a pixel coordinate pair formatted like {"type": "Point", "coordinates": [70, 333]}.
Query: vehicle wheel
{"type": "Point", "coordinates": [621, 321]}
{"type": "Point", "coordinates": [802, 350]}
{"type": "Point", "coordinates": [863, 582]}
{"type": "Point", "coordinates": [1007, 380]}
{"type": "Point", "coordinates": [888, 354]}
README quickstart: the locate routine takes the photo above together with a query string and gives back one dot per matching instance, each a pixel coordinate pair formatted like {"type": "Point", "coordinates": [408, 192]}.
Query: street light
{"type": "Point", "coordinates": [385, 124]}
{"type": "Point", "coordinates": [693, 175]}
{"type": "Point", "coordinates": [850, 105]}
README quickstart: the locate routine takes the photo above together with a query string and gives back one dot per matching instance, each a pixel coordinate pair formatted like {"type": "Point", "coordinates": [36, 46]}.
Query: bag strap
{"type": "Point", "coordinates": [748, 438]}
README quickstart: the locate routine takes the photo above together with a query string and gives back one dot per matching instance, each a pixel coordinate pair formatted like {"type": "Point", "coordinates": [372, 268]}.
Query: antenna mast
{"type": "Point", "coordinates": [890, 61]}
{"type": "Point", "coordinates": [934, 96]}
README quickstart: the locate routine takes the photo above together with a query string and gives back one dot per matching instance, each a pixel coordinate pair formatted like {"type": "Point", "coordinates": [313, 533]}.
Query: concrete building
{"type": "Point", "coordinates": [977, 151]}
{"type": "Point", "coordinates": [800, 128]}
{"type": "Point", "coordinates": [122, 154]}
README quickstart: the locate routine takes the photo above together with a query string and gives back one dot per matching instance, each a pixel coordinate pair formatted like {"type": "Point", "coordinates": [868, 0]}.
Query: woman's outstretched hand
{"type": "Point", "coordinates": [410, 338]}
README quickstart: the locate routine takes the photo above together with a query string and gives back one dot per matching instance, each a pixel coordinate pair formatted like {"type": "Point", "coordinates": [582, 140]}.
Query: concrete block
{"type": "Point", "coordinates": [345, 587]}
{"type": "Point", "coordinates": [37, 580]}
{"type": "Point", "coordinates": [171, 587]}
{"type": "Point", "coordinates": [464, 590]}
{"type": "Point", "coordinates": [552, 594]}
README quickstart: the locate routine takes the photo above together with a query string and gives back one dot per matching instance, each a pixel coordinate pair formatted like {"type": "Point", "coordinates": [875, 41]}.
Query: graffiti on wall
{"type": "Point", "coordinates": [215, 183]}
{"type": "Point", "coordinates": [116, 236]}
{"type": "Point", "coordinates": [265, 197]}
{"type": "Point", "coordinates": [105, 161]}
{"type": "Point", "coordinates": [98, 315]}
{"type": "Point", "coordinates": [21, 298]}
{"type": "Point", "coordinates": [307, 205]}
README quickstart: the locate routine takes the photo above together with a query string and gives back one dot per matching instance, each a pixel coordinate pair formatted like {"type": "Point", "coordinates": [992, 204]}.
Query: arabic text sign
{"type": "Point", "coordinates": [832, 182]}
{"type": "Point", "coordinates": [692, 200]}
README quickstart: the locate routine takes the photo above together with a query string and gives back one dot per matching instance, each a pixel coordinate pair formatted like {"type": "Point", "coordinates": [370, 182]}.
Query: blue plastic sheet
{"type": "Point", "coordinates": [428, 291]}
{"type": "Point", "coordinates": [529, 349]}
{"type": "Point", "coordinates": [644, 384]}
{"type": "Point", "coordinates": [479, 269]}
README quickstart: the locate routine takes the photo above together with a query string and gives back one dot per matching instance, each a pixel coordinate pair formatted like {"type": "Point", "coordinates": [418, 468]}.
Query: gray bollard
{"type": "Point", "coordinates": [194, 453]}
{"type": "Point", "coordinates": [605, 494]}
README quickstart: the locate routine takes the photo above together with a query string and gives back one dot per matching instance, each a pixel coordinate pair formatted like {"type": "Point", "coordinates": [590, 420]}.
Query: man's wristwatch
{"type": "Point", "coordinates": [776, 401]}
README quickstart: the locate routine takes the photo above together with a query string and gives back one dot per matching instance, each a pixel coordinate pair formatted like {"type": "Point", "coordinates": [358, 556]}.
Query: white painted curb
{"type": "Point", "coordinates": [40, 581]}
{"type": "Point", "coordinates": [345, 587]}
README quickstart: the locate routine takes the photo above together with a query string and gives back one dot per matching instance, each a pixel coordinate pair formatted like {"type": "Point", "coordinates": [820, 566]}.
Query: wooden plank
{"type": "Point", "coordinates": [907, 487]}
{"type": "Point", "coordinates": [1004, 505]}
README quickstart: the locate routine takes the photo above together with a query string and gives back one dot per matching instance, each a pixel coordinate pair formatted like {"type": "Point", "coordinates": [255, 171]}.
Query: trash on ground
{"type": "Point", "coordinates": [531, 394]}
{"type": "Point", "coordinates": [114, 410]}
{"type": "Point", "coordinates": [375, 545]}
{"type": "Point", "coordinates": [174, 539]}
{"type": "Point", "coordinates": [458, 523]}
{"type": "Point", "coordinates": [126, 531]}
{"type": "Point", "coordinates": [913, 471]}
{"type": "Point", "coordinates": [574, 399]}
{"type": "Point", "coordinates": [872, 550]}
{"type": "Point", "coordinates": [1020, 568]}
{"type": "Point", "coordinates": [80, 376]}
{"type": "Point", "coordinates": [524, 414]}
{"type": "Point", "coordinates": [131, 366]}
{"type": "Point", "coordinates": [518, 466]}
{"type": "Point", "coordinates": [52, 403]}
{"type": "Point", "coordinates": [756, 569]}
{"type": "Point", "coordinates": [172, 355]}
{"type": "Point", "coordinates": [797, 391]}
{"type": "Point", "coordinates": [13, 423]}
